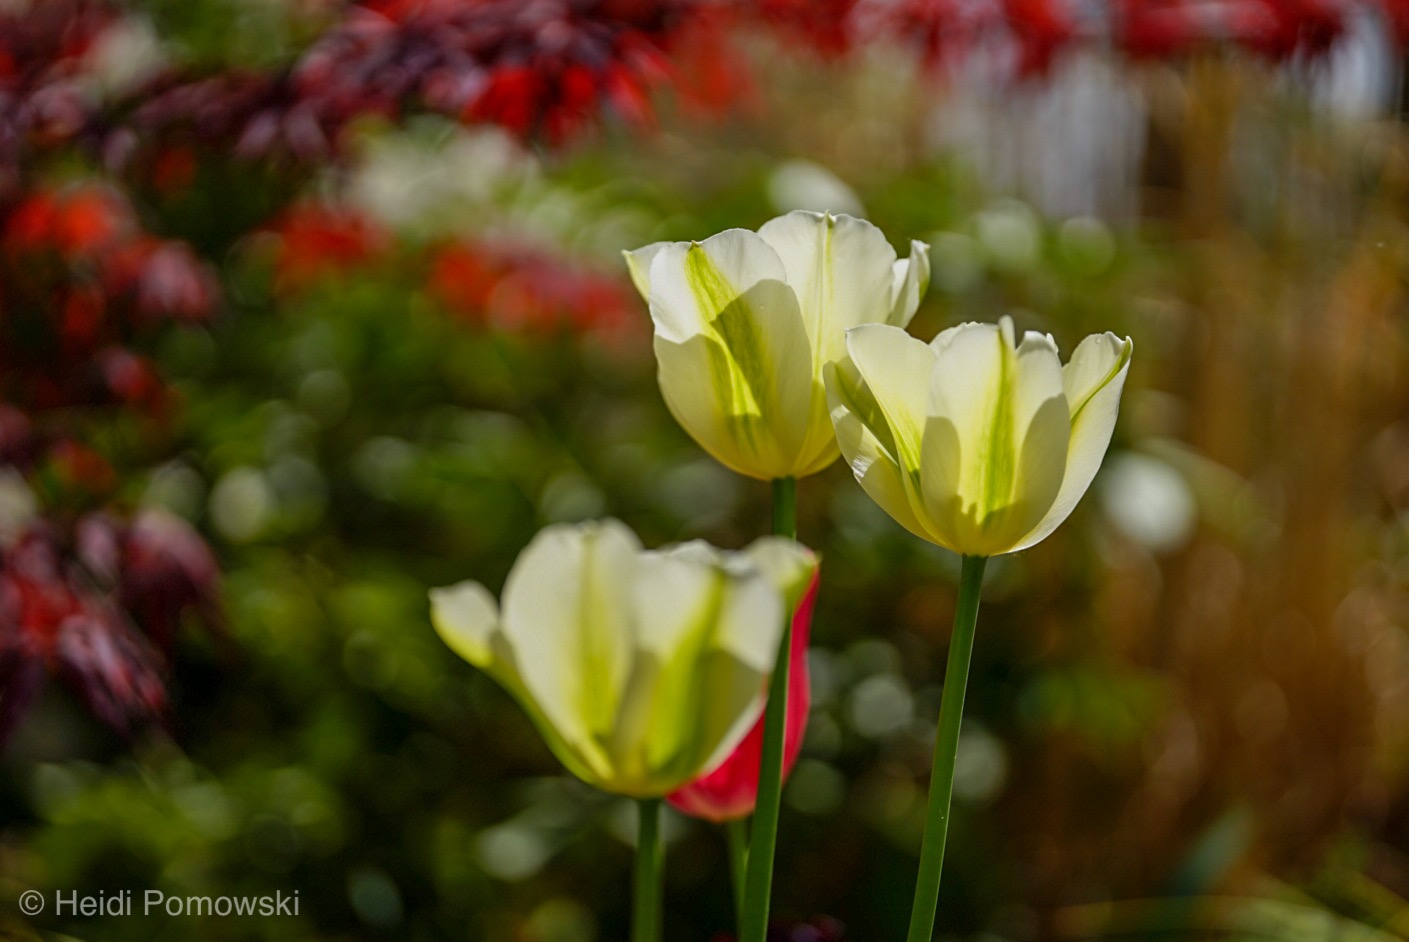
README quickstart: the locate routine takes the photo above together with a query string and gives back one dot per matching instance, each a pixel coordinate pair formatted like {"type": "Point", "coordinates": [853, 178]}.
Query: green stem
{"type": "Point", "coordinates": [650, 853]}
{"type": "Point", "coordinates": [758, 881]}
{"type": "Point", "coordinates": [785, 507]}
{"type": "Point", "coordinates": [946, 747]}
{"type": "Point", "coordinates": [738, 834]}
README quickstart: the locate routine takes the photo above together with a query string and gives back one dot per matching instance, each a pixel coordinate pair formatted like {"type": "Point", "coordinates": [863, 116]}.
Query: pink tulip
{"type": "Point", "coordinates": [730, 790]}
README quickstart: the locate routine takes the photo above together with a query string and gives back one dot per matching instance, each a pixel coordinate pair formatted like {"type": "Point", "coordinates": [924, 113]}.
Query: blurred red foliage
{"type": "Point", "coordinates": [524, 289]}
{"type": "Point", "coordinates": [544, 70]}
{"type": "Point", "coordinates": [1278, 29]}
{"type": "Point", "coordinates": [42, 95]}
{"type": "Point", "coordinates": [97, 606]}
{"type": "Point", "coordinates": [84, 595]}
{"type": "Point", "coordinates": [316, 240]}
{"type": "Point", "coordinates": [78, 278]}
{"type": "Point", "coordinates": [550, 69]}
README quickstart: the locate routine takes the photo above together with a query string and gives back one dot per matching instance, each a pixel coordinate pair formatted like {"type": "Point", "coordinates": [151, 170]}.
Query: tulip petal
{"type": "Point", "coordinates": [730, 790]}
{"type": "Point", "coordinates": [560, 602]}
{"type": "Point", "coordinates": [791, 567]}
{"type": "Point", "coordinates": [638, 264]}
{"type": "Point", "coordinates": [819, 449]}
{"type": "Point", "coordinates": [743, 388]}
{"type": "Point", "coordinates": [710, 625]}
{"type": "Point", "coordinates": [878, 397]}
{"type": "Point", "coordinates": [910, 281]}
{"type": "Point", "coordinates": [466, 617]}
{"type": "Point", "coordinates": [896, 369]}
{"type": "Point", "coordinates": [840, 267]}
{"type": "Point", "coordinates": [682, 589]}
{"type": "Point", "coordinates": [995, 445]}
{"type": "Point", "coordinates": [1092, 381]}
{"type": "Point", "coordinates": [693, 283]}
{"type": "Point", "coordinates": [1041, 409]}
{"type": "Point", "coordinates": [687, 373]}
{"type": "Point", "coordinates": [750, 627]}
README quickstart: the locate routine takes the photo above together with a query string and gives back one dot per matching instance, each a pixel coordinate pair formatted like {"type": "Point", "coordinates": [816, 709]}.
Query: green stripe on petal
{"type": "Point", "coordinates": [1098, 360]}
{"type": "Point", "coordinates": [995, 447]}
{"type": "Point", "coordinates": [557, 606]}
{"type": "Point", "coordinates": [680, 719]}
{"type": "Point", "coordinates": [971, 380]}
{"type": "Point", "coordinates": [895, 368]}
{"type": "Point", "coordinates": [738, 369]}
{"type": "Point", "coordinates": [871, 460]}
{"type": "Point", "coordinates": [727, 296]}
{"type": "Point", "coordinates": [694, 693]}
{"type": "Point", "coordinates": [841, 269]}
{"type": "Point", "coordinates": [687, 375]}
{"type": "Point", "coordinates": [731, 694]}
{"type": "Point", "coordinates": [880, 432]}
{"type": "Point", "coordinates": [996, 459]}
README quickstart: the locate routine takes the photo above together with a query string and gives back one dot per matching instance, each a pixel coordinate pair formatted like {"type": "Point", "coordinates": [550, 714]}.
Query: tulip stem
{"type": "Point", "coordinates": [758, 880]}
{"type": "Point", "coordinates": [738, 834]}
{"type": "Point", "coordinates": [650, 854]}
{"type": "Point", "coordinates": [946, 747]}
{"type": "Point", "coordinates": [785, 507]}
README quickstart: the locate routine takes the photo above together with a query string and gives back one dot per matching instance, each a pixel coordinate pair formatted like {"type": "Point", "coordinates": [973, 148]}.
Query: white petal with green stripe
{"type": "Point", "coordinates": [844, 274]}
{"type": "Point", "coordinates": [842, 270]}
{"type": "Point", "coordinates": [467, 619]}
{"type": "Point", "coordinates": [697, 621]}
{"type": "Point", "coordinates": [562, 612]}
{"type": "Point", "coordinates": [735, 363]}
{"type": "Point", "coordinates": [879, 397]}
{"type": "Point", "coordinates": [1093, 381]}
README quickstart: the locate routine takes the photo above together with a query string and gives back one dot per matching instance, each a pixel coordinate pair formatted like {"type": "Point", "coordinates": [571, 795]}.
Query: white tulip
{"type": "Point", "coordinates": [975, 442]}
{"type": "Point", "coordinates": [746, 322]}
{"type": "Point", "coordinates": [643, 669]}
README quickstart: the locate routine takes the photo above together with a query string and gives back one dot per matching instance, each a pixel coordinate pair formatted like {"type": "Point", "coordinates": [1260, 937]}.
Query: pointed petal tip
{"type": "Point", "coordinates": [465, 615]}
{"type": "Point", "coordinates": [638, 266]}
{"type": "Point", "coordinates": [1038, 340]}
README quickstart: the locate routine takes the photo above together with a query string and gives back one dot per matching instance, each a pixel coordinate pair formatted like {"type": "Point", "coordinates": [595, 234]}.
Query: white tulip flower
{"type": "Point", "coordinates": [976, 442]}
{"type": "Point", "coordinates": [746, 322]}
{"type": "Point", "coordinates": [642, 669]}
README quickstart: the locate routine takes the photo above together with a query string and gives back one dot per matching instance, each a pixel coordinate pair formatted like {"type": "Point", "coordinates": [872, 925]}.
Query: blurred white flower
{"type": "Point", "coordinates": [802, 184]}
